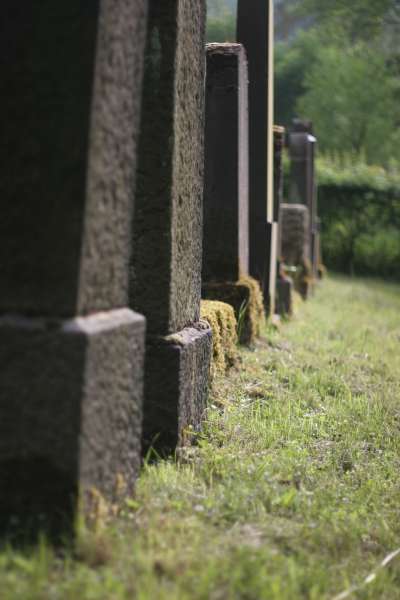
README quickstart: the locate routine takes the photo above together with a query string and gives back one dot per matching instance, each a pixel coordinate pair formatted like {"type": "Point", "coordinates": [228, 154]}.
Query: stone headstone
{"type": "Point", "coordinates": [70, 349]}
{"type": "Point", "coordinates": [295, 245]}
{"type": "Point", "coordinates": [295, 224]}
{"type": "Point", "coordinates": [226, 190]}
{"type": "Point", "coordinates": [284, 285]}
{"type": "Point", "coordinates": [302, 188]}
{"type": "Point", "coordinates": [167, 227]}
{"type": "Point", "coordinates": [255, 32]}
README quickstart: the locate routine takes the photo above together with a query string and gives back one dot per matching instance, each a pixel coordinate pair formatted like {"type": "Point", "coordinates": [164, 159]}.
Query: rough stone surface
{"type": "Point", "coordinates": [69, 97]}
{"type": "Point", "coordinates": [254, 31]}
{"type": "Point", "coordinates": [176, 387]}
{"type": "Point", "coordinates": [295, 234]}
{"type": "Point", "coordinates": [226, 193]}
{"type": "Point", "coordinates": [70, 412]}
{"type": "Point", "coordinates": [167, 225]}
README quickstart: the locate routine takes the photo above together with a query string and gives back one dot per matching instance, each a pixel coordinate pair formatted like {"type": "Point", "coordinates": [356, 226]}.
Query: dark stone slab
{"type": "Point", "coordinates": [70, 414]}
{"type": "Point", "coordinates": [167, 225]}
{"type": "Point", "coordinates": [255, 32]}
{"type": "Point", "coordinates": [303, 186]}
{"type": "Point", "coordinates": [69, 99]}
{"type": "Point", "coordinates": [176, 387]}
{"type": "Point", "coordinates": [279, 144]}
{"type": "Point", "coordinates": [226, 193]}
{"type": "Point", "coordinates": [302, 176]}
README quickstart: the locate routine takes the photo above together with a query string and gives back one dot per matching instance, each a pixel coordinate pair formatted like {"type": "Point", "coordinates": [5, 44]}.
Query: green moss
{"type": "Point", "coordinates": [222, 320]}
{"type": "Point", "coordinates": [246, 298]}
{"type": "Point", "coordinates": [255, 309]}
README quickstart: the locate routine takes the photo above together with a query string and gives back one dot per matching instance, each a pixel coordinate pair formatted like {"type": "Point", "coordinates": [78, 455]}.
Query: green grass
{"type": "Point", "coordinates": [292, 492]}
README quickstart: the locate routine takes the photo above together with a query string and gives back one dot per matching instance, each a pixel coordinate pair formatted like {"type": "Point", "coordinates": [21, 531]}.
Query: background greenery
{"type": "Point", "coordinates": [338, 64]}
{"type": "Point", "coordinates": [359, 206]}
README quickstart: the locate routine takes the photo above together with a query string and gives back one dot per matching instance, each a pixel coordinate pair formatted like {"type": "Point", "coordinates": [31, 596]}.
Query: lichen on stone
{"type": "Point", "coordinates": [256, 312]}
{"type": "Point", "coordinates": [246, 298]}
{"type": "Point", "coordinates": [222, 320]}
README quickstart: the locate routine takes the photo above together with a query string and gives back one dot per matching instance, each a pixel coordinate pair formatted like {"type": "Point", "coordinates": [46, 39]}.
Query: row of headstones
{"type": "Point", "coordinates": [102, 222]}
{"type": "Point", "coordinates": [299, 250]}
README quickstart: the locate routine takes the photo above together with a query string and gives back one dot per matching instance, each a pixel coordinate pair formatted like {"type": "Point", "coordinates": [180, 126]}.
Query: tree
{"type": "Point", "coordinates": [221, 21]}
{"type": "Point", "coordinates": [361, 19]}
{"type": "Point", "coordinates": [292, 62]}
{"type": "Point", "coordinates": [350, 97]}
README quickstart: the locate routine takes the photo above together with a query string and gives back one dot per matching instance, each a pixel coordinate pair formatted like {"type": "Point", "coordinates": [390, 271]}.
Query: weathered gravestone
{"type": "Point", "coordinates": [284, 285]}
{"type": "Point", "coordinates": [167, 226]}
{"type": "Point", "coordinates": [226, 189]}
{"type": "Point", "coordinates": [302, 187]}
{"type": "Point", "coordinates": [295, 244]}
{"type": "Point", "coordinates": [71, 352]}
{"type": "Point", "coordinates": [255, 32]}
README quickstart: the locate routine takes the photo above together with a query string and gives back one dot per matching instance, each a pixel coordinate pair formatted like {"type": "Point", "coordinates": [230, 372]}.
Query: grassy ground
{"type": "Point", "coordinates": [293, 491]}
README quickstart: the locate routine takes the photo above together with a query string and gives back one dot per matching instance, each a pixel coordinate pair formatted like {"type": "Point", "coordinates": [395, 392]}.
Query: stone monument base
{"type": "Point", "coordinates": [70, 415]}
{"type": "Point", "coordinates": [176, 387]}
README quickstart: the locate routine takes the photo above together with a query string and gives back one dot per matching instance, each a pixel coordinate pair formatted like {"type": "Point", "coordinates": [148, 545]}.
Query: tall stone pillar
{"type": "Point", "coordinates": [303, 189]}
{"type": "Point", "coordinates": [226, 190]}
{"type": "Point", "coordinates": [71, 351]}
{"type": "Point", "coordinates": [284, 284]}
{"type": "Point", "coordinates": [167, 226]}
{"type": "Point", "coordinates": [255, 32]}
{"type": "Point", "coordinates": [295, 247]}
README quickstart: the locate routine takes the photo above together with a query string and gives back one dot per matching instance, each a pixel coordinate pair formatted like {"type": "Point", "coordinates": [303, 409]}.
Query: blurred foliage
{"type": "Point", "coordinates": [221, 22]}
{"type": "Point", "coordinates": [351, 97]}
{"type": "Point", "coordinates": [221, 29]}
{"type": "Point", "coordinates": [292, 63]}
{"type": "Point", "coordinates": [341, 69]}
{"type": "Point", "coordinates": [367, 20]}
{"type": "Point", "coordinates": [359, 206]}
{"type": "Point", "coordinates": [352, 171]}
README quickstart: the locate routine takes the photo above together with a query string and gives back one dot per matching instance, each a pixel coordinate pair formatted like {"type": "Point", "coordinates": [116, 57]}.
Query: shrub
{"type": "Point", "coordinates": [359, 206]}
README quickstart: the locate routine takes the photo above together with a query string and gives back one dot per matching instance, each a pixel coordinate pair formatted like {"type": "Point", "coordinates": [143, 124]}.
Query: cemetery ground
{"type": "Point", "coordinates": [292, 490]}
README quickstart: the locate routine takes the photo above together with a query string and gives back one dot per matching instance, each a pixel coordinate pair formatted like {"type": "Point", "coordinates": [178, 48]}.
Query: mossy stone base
{"type": "Point", "coordinates": [177, 373]}
{"type": "Point", "coordinates": [222, 320]}
{"type": "Point", "coordinates": [246, 299]}
{"type": "Point", "coordinates": [70, 416]}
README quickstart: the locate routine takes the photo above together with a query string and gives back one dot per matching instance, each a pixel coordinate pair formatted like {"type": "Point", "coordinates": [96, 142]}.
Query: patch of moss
{"type": "Point", "coordinates": [256, 311]}
{"type": "Point", "coordinates": [246, 298]}
{"type": "Point", "coordinates": [222, 320]}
